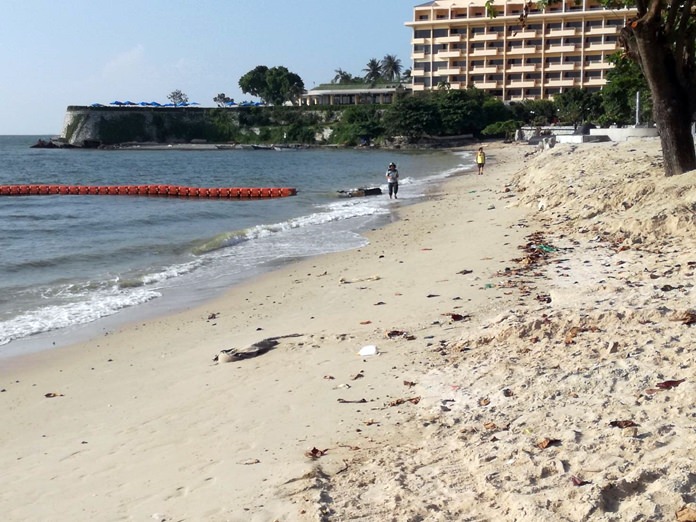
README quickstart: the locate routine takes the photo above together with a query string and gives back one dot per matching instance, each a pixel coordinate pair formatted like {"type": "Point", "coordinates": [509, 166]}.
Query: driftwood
{"type": "Point", "coordinates": [253, 350]}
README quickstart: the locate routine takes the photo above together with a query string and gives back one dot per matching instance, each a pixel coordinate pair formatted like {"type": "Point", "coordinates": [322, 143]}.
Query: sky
{"type": "Point", "coordinates": [77, 52]}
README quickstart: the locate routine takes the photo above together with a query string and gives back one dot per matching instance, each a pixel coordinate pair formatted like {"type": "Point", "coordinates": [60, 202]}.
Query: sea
{"type": "Point", "coordinates": [70, 262]}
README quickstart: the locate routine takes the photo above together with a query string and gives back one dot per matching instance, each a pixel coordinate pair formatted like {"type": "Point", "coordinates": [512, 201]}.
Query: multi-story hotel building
{"type": "Point", "coordinates": [564, 46]}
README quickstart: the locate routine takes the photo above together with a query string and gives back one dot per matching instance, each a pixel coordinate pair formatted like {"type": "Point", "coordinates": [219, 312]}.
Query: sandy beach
{"type": "Point", "coordinates": [534, 361]}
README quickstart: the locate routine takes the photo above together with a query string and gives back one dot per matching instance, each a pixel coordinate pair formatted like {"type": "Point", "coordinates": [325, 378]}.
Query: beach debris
{"type": "Point", "coordinates": [253, 350]}
{"type": "Point", "coordinates": [370, 422]}
{"type": "Point", "coordinates": [546, 442]}
{"type": "Point", "coordinates": [668, 385]}
{"type": "Point", "coordinates": [484, 402]}
{"type": "Point", "coordinates": [51, 395]}
{"type": "Point", "coordinates": [358, 375]}
{"type": "Point", "coordinates": [399, 333]}
{"type": "Point", "coordinates": [457, 317]}
{"type": "Point", "coordinates": [248, 462]}
{"type": "Point", "coordinates": [432, 295]}
{"type": "Point", "coordinates": [368, 350]}
{"type": "Point", "coordinates": [380, 303]}
{"type": "Point", "coordinates": [686, 514]}
{"type": "Point", "coordinates": [623, 424]}
{"type": "Point", "coordinates": [543, 298]}
{"type": "Point", "coordinates": [366, 322]}
{"type": "Point", "coordinates": [329, 377]}
{"type": "Point", "coordinates": [577, 481]}
{"type": "Point", "coordinates": [397, 402]}
{"type": "Point", "coordinates": [345, 281]}
{"type": "Point", "coordinates": [213, 316]}
{"type": "Point", "coordinates": [507, 392]}
{"type": "Point", "coordinates": [465, 272]}
{"type": "Point", "coordinates": [346, 401]}
{"type": "Point", "coordinates": [572, 334]}
{"type": "Point", "coordinates": [688, 318]}
{"type": "Point", "coordinates": [315, 453]}
{"type": "Point", "coordinates": [410, 384]}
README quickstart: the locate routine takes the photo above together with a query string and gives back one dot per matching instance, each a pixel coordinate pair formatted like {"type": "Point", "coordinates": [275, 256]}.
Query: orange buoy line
{"type": "Point", "coordinates": [148, 190]}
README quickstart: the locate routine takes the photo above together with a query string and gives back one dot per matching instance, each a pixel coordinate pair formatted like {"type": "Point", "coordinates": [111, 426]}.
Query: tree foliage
{"type": "Point", "coordinates": [275, 85]}
{"type": "Point", "coordinates": [618, 95]}
{"type": "Point", "coordinates": [177, 97]}
{"type": "Point", "coordinates": [222, 100]}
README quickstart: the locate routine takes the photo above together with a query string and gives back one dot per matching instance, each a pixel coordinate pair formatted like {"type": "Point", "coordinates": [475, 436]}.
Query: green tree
{"type": "Point", "coordinates": [576, 106]}
{"type": "Point", "coordinates": [222, 100]}
{"type": "Point", "coordinates": [618, 95]}
{"type": "Point", "coordinates": [391, 67]}
{"type": "Point", "coordinates": [254, 82]}
{"type": "Point", "coordinates": [373, 71]}
{"type": "Point", "coordinates": [413, 117]}
{"type": "Point", "coordinates": [276, 85]}
{"type": "Point", "coordinates": [342, 77]}
{"type": "Point", "coordinates": [177, 97]}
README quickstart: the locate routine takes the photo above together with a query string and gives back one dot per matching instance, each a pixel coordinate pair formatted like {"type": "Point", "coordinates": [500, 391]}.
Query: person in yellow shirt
{"type": "Point", "coordinates": [480, 160]}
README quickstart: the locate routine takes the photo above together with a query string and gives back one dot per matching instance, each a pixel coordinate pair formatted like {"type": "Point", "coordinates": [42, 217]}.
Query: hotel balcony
{"type": "Point", "coordinates": [418, 56]}
{"type": "Point", "coordinates": [519, 35]}
{"type": "Point", "coordinates": [417, 72]}
{"type": "Point", "coordinates": [452, 71]}
{"type": "Point", "coordinates": [486, 84]}
{"type": "Point", "coordinates": [567, 48]}
{"type": "Point", "coordinates": [487, 69]}
{"type": "Point", "coordinates": [595, 66]}
{"type": "Point", "coordinates": [600, 31]}
{"type": "Point", "coordinates": [523, 84]}
{"type": "Point", "coordinates": [457, 85]}
{"type": "Point", "coordinates": [556, 33]}
{"type": "Point", "coordinates": [449, 39]}
{"type": "Point", "coordinates": [420, 41]}
{"type": "Point", "coordinates": [529, 49]}
{"type": "Point", "coordinates": [521, 69]}
{"type": "Point", "coordinates": [601, 47]}
{"type": "Point", "coordinates": [450, 54]}
{"type": "Point", "coordinates": [488, 37]}
{"type": "Point", "coordinates": [566, 82]}
{"type": "Point", "coordinates": [561, 67]}
{"type": "Point", "coordinates": [593, 82]}
{"type": "Point", "coordinates": [484, 52]}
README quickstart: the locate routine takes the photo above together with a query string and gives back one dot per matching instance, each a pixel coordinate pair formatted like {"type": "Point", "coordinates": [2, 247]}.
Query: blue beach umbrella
{"type": "Point", "coordinates": [116, 103]}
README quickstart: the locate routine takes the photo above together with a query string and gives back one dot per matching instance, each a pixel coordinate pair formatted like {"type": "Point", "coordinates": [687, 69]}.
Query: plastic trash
{"type": "Point", "coordinates": [368, 350]}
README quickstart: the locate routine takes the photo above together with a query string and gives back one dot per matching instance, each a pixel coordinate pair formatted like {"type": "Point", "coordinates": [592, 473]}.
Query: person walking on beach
{"type": "Point", "coordinates": [393, 180]}
{"type": "Point", "coordinates": [480, 160]}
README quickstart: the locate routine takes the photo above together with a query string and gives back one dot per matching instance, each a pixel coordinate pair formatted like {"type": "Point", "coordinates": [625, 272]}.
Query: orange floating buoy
{"type": "Point", "coordinates": [213, 192]}
{"type": "Point", "coordinates": [83, 190]}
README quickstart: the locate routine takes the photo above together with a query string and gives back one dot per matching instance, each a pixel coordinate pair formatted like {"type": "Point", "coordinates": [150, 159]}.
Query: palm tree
{"type": "Point", "coordinates": [406, 76]}
{"type": "Point", "coordinates": [391, 67]}
{"type": "Point", "coordinates": [342, 76]}
{"type": "Point", "coordinates": [373, 71]}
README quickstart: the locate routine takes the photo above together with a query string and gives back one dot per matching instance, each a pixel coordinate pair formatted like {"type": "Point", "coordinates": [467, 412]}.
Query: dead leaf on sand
{"type": "Point", "coordinates": [623, 424]}
{"type": "Point", "coordinates": [484, 402]}
{"type": "Point", "coordinates": [688, 318]}
{"type": "Point", "coordinates": [397, 402]}
{"type": "Point", "coordinates": [315, 453]}
{"type": "Point", "coordinates": [358, 375]}
{"type": "Point", "coordinates": [546, 442]}
{"type": "Point", "coordinates": [329, 377]}
{"type": "Point", "coordinates": [410, 384]}
{"type": "Point", "coordinates": [572, 334]}
{"type": "Point", "coordinates": [578, 481]}
{"type": "Point", "coordinates": [668, 385]}
{"type": "Point", "coordinates": [366, 322]}
{"type": "Point", "coordinates": [465, 272]}
{"type": "Point", "coordinates": [344, 401]}
{"type": "Point", "coordinates": [686, 514]}
{"type": "Point", "coordinates": [457, 317]}
{"type": "Point", "coordinates": [52, 394]}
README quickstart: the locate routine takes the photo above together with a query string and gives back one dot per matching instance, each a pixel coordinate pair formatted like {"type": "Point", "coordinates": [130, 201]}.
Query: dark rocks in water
{"type": "Point", "coordinates": [360, 192]}
{"type": "Point", "coordinates": [50, 144]}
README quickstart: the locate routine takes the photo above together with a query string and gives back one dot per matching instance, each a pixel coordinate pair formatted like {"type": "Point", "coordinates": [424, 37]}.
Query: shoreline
{"type": "Point", "coordinates": [488, 346]}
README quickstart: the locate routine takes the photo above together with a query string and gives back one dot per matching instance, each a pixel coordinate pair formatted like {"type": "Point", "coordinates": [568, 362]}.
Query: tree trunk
{"type": "Point", "coordinates": [671, 103]}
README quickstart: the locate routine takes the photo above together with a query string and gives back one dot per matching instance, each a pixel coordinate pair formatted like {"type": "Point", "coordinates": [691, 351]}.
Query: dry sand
{"type": "Point", "coordinates": [535, 363]}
